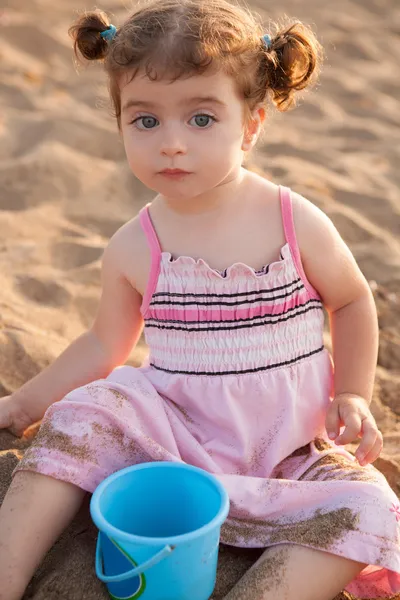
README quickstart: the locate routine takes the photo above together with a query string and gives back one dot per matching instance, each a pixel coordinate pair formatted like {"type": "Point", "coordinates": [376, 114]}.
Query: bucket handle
{"type": "Point", "coordinates": [133, 572]}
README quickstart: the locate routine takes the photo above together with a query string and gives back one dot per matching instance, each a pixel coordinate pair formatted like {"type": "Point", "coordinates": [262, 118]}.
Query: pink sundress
{"type": "Point", "coordinates": [237, 382]}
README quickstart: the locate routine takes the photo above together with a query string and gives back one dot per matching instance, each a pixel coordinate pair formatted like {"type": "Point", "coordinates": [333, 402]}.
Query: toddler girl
{"type": "Point", "coordinates": [229, 273]}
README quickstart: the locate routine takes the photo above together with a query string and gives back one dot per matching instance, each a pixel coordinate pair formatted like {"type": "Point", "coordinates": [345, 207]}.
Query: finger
{"type": "Point", "coordinates": [369, 434]}
{"type": "Point", "coordinates": [375, 451]}
{"type": "Point", "coordinates": [332, 421]}
{"type": "Point", "coordinates": [352, 423]}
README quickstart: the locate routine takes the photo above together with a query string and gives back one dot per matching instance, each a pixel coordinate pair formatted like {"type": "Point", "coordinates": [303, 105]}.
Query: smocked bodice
{"type": "Point", "coordinates": [205, 322]}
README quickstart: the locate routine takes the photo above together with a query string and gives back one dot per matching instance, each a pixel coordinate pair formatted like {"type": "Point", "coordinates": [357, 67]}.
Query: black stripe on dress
{"type": "Point", "coordinates": [257, 369]}
{"type": "Point", "coordinates": [222, 303]}
{"type": "Point", "coordinates": [265, 321]}
{"type": "Point", "coordinates": [193, 295]}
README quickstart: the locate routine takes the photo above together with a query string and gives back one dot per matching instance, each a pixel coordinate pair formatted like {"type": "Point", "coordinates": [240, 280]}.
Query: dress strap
{"type": "Point", "coordinates": [155, 250]}
{"type": "Point", "coordinates": [290, 235]}
{"type": "Point", "coordinates": [149, 231]}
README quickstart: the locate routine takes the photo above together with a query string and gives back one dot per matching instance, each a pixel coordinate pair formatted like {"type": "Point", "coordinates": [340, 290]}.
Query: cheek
{"type": "Point", "coordinates": [223, 143]}
{"type": "Point", "coordinates": [226, 145]}
{"type": "Point", "coordinates": [137, 159]}
{"type": "Point", "coordinates": [229, 139]}
{"type": "Point", "coordinates": [136, 149]}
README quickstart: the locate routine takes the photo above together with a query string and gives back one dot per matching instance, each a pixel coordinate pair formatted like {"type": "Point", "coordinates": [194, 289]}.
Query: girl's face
{"type": "Point", "coordinates": [193, 124]}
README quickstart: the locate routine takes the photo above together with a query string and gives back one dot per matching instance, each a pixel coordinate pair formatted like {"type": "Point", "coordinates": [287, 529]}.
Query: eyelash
{"type": "Point", "coordinates": [151, 117]}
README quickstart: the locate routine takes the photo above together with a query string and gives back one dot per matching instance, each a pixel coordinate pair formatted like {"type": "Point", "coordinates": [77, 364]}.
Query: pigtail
{"type": "Point", "coordinates": [86, 35]}
{"type": "Point", "coordinates": [292, 62]}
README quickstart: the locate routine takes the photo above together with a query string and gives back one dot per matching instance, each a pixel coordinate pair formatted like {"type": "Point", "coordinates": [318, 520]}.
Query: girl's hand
{"type": "Point", "coordinates": [12, 416]}
{"type": "Point", "coordinates": [353, 412]}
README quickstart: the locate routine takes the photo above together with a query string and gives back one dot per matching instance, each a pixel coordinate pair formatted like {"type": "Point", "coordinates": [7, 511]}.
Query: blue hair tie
{"type": "Point", "coordinates": [109, 34]}
{"type": "Point", "coordinates": [267, 40]}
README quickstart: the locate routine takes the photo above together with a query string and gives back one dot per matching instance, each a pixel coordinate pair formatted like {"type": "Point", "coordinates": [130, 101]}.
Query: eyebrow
{"type": "Point", "coordinates": [196, 100]}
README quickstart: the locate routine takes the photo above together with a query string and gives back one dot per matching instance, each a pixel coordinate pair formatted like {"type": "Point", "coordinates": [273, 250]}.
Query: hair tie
{"type": "Point", "coordinates": [267, 41]}
{"type": "Point", "coordinates": [109, 33]}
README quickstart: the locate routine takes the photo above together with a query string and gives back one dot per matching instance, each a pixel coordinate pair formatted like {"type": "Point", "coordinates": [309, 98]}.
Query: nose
{"type": "Point", "coordinates": [173, 142]}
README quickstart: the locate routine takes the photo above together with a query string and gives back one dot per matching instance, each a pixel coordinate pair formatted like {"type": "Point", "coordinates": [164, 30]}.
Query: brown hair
{"type": "Point", "coordinates": [179, 38]}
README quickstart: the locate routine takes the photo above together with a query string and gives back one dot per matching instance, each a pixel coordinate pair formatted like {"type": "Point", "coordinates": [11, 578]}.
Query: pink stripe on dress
{"type": "Point", "coordinates": [182, 313]}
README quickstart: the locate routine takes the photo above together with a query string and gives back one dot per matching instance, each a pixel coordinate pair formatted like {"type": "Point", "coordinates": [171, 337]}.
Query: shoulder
{"type": "Point", "coordinates": [306, 212]}
{"type": "Point", "coordinates": [127, 252]}
{"type": "Point", "coordinates": [128, 237]}
{"type": "Point", "coordinates": [312, 225]}
{"type": "Point", "coordinates": [328, 262]}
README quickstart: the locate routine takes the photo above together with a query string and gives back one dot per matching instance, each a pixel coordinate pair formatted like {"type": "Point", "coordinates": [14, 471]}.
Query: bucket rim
{"type": "Point", "coordinates": [113, 532]}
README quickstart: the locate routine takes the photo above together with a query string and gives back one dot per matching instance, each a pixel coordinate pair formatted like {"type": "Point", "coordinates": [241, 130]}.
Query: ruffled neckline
{"type": "Point", "coordinates": [234, 269]}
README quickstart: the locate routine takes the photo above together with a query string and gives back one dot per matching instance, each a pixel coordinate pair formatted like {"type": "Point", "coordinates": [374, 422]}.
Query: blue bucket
{"type": "Point", "coordinates": [159, 532]}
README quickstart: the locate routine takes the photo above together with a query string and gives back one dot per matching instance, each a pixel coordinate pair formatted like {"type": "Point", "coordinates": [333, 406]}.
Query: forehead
{"type": "Point", "coordinates": [164, 93]}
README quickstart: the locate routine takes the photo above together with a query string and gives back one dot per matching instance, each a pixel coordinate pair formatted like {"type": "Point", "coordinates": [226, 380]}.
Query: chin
{"type": "Point", "coordinates": [176, 194]}
{"type": "Point", "coordinates": [174, 189]}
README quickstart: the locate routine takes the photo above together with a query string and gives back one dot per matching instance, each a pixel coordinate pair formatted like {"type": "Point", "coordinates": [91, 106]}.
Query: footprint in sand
{"type": "Point", "coordinates": [19, 348]}
{"type": "Point", "coordinates": [98, 142]}
{"type": "Point", "coordinates": [354, 133]}
{"type": "Point", "coordinates": [310, 110]}
{"type": "Point", "coordinates": [68, 232]}
{"type": "Point", "coordinates": [35, 42]}
{"type": "Point", "coordinates": [12, 96]}
{"type": "Point", "coordinates": [374, 262]}
{"type": "Point", "coordinates": [363, 107]}
{"type": "Point", "coordinates": [87, 308]}
{"type": "Point", "coordinates": [389, 394]}
{"type": "Point", "coordinates": [351, 231]}
{"type": "Point", "coordinates": [376, 208]}
{"type": "Point", "coordinates": [374, 7]}
{"type": "Point", "coordinates": [285, 150]}
{"type": "Point", "coordinates": [356, 51]}
{"type": "Point", "coordinates": [70, 255]}
{"type": "Point", "coordinates": [390, 88]}
{"type": "Point", "coordinates": [105, 227]}
{"type": "Point", "coordinates": [43, 291]}
{"type": "Point", "coordinates": [47, 172]}
{"type": "Point", "coordinates": [22, 134]}
{"type": "Point", "coordinates": [389, 352]}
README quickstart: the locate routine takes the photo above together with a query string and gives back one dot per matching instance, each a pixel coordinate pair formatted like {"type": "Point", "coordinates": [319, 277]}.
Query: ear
{"type": "Point", "coordinates": [253, 128]}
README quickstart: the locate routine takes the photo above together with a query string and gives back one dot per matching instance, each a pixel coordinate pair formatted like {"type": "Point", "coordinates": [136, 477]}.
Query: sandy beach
{"type": "Point", "coordinates": [66, 188]}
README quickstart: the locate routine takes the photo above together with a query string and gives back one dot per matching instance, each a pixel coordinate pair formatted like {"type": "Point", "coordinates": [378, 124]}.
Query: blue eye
{"type": "Point", "coordinates": [146, 121]}
{"type": "Point", "coordinates": [202, 120]}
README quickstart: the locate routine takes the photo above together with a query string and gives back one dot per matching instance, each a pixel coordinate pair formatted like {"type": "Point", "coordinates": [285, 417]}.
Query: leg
{"type": "Point", "coordinates": [287, 572]}
{"type": "Point", "coordinates": [34, 513]}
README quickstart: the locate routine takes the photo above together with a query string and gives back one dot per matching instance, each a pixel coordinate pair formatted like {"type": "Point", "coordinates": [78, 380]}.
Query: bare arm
{"type": "Point", "coordinates": [107, 344]}
{"type": "Point", "coordinates": [332, 270]}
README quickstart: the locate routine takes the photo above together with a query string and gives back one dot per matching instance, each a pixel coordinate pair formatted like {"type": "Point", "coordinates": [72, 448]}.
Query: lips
{"type": "Point", "coordinates": [174, 172]}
